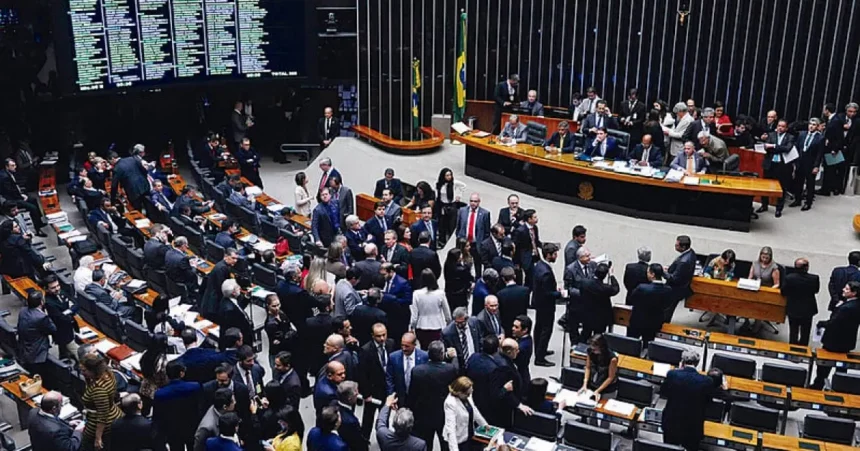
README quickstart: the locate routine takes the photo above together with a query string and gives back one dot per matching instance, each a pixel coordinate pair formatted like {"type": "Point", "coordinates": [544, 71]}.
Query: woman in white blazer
{"type": "Point", "coordinates": [430, 310]}
{"type": "Point", "coordinates": [461, 415]}
{"type": "Point", "coordinates": [303, 198]}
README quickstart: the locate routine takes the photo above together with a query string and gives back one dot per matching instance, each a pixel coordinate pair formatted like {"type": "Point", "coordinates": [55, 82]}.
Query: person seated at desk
{"type": "Point", "coordinates": [603, 146]}
{"type": "Point", "coordinates": [108, 217]}
{"type": "Point", "coordinates": [423, 195]}
{"type": "Point", "coordinates": [111, 298]}
{"type": "Point", "coordinates": [99, 174]}
{"type": "Point", "coordinates": [765, 269]}
{"type": "Point", "coordinates": [513, 131]}
{"type": "Point", "coordinates": [722, 267]}
{"type": "Point", "coordinates": [188, 197]}
{"type": "Point", "coordinates": [76, 184]}
{"type": "Point", "coordinates": [600, 118]}
{"type": "Point", "coordinates": [160, 197]}
{"type": "Point", "coordinates": [239, 197]}
{"type": "Point", "coordinates": [689, 161]}
{"type": "Point", "coordinates": [225, 238]}
{"type": "Point", "coordinates": [536, 398]}
{"type": "Point", "coordinates": [225, 187]}
{"type": "Point", "coordinates": [156, 246]}
{"type": "Point", "coordinates": [195, 222]}
{"type": "Point", "coordinates": [561, 140]}
{"type": "Point", "coordinates": [177, 265]}
{"type": "Point", "coordinates": [646, 153]}
{"type": "Point", "coordinates": [90, 195]}
{"type": "Point", "coordinates": [208, 152]}
{"type": "Point", "coordinates": [713, 150]}
{"type": "Point", "coordinates": [534, 107]}
{"type": "Point", "coordinates": [389, 182]}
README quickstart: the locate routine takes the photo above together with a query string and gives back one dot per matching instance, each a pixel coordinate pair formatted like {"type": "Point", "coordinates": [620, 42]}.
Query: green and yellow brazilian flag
{"type": "Point", "coordinates": [460, 74]}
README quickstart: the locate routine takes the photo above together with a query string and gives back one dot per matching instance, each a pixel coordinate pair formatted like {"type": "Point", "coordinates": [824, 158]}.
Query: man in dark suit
{"type": "Point", "coordinates": [633, 114]}
{"type": "Point", "coordinates": [533, 107]}
{"type": "Point", "coordinates": [810, 145]}
{"type": "Point", "coordinates": [636, 273]}
{"type": "Point", "coordinates": [428, 392]}
{"type": "Point", "coordinates": [62, 311]}
{"type": "Point", "coordinates": [211, 300]}
{"type": "Point", "coordinates": [473, 225]}
{"type": "Point", "coordinates": [176, 408]}
{"type": "Point", "coordinates": [424, 257]}
{"type": "Point", "coordinates": [356, 237]}
{"type": "Point", "coordinates": [596, 293]}
{"type": "Point", "coordinates": [372, 363]}
{"type": "Point", "coordinates": [10, 191]}
{"type": "Point", "coordinates": [840, 331]}
{"type": "Point", "coordinates": [160, 197]}
{"type": "Point", "coordinates": [199, 362]}
{"type": "Point", "coordinates": [600, 118]}
{"type": "Point", "coordinates": [325, 223]}
{"type": "Point", "coordinates": [232, 313]}
{"type": "Point", "coordinates": [649, 300]}
{"type": "Point", "coordinates": [491, 247]}
{"type": "Point", "coordinates": [398, 372]}
{"type": "Point", "coordinates": [389, 182]}
{"type": "Point", "coordinates": [778, 145]}
{"type": "Point", "coordinates": [286, 375]}
{"type": "Point", "coordinates": [188, 197]}
{"type": "Point", "coordinates": [545, 293]}
{"type": "Point", "coordinates": [106, 216]}
{"type": "Point", "coordinates": [575, 273]}
{"type": "Point", "coordinates": [47, 431]}
{"type": "Point", "coordinates": [249, 162]}
{"type": "Point", "coordinates": [680, 274]}
{"type": "Point", "coordinates": [368, 268]}
{"type": "Point", "coordinates": [131, 174]}
{"type": "Point", "coordinates": [343, 197]}
{"type": "Point", "coordinates": [834, 142]}
{"type": "Point", "coordinates": [177, 265]}
{"type": "Point", "coordinates": [602, 145]}
{"type": "Point", "coordinates": [511, 217]}
{"type": "Point", "coordinates": [509, 386]}
{"type": "Point", "coordinates": [800, 288]}
{"type": "Point", "coordinates": [579, 237]}
{"type": "Point", "coordinates": [842, 275]}
{"type": "Point", "coordinates": [316, 331]}
{"type": "Point", "coordinates": [687, 394]}
{"type": "Point", "coordinates": [394, 253]}
{"type": "Point", "coordinates": [224, 379]}
{"type": "Point", "coordinates": [392, 209]}
{"type": "Point", "coordinates": [398, 437]}
{"type": "Point", "coordinates": [479, 368]}
{"type": "Point", "coordinates": [506, 260]}
{"type": "Point", "coordinates": [851, 126]}
{"type": "Point", "coordinates": [155, 248]}
{"type": "Point", "coordinates": [135, 432]}
{"type": "Point", "coordinates": [462, 334]}
{"type": "Point", "coordinates": [350, 429]}
{"type": "Point", "coordinates": [396, 300]}
{"type": "Point", "coordinates": [240, 123]}
{"type": "Point", "coordinates": [426, 224]}
{"type": "Point", "coordinates": [513, 299]}
{"type": "Point", "coordinates": [325, 390]}
{"type": "Point", "coordinates": [328, 170]}
{"type": "Point", "coordinates": [526, 244]}
{"type": "Point", "coordinates": [488, 318]}
{"type": "Point", "coordinates": [249, 372]}
{"type": "Point", "coordinates": [111, 299]}
{"type": "Point", "coordinates": [504, 96]}
{"type": "Point", "coordinates": [328, 128]}
{"type": "Point", "coordinates": [377, 225]}
{"type": "Point", "coordinates": [646, 154]}
{"type": "Point", "coordinates": [335, 349]}
{"type": "Point", "coordinates": [561, 140]}
{"type": "Point", "coordinates": [705, 123]}
{"type": "Point", "coordinates": [366, 315]}
{"type": "Point", "coordinates": [522, 332]}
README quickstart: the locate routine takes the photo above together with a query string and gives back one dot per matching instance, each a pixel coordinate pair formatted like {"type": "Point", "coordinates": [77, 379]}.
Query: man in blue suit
{"type": "Point", "coordinates": [687, 394]}
{"type": "Point", "coordinates": [842, 275]}
{"type": "Point", "coordinates": [463, 334]}
{"type": "Point", "coordinates": [249, 372]}
{"type": "Point", "coordinates": [389, 183]}
{"type": "Point", "coordinates": [378, 224]}
{"type": "Point", "coordinates": [545, 293]}
{"type": "Point", "coordinates": [602, 145]}
{"type": "Point", "coordinates": [48, 431]}
{"type": "Point", "coordinates": [176, 408]}
{"type": "Point", "coordinates": [34, 330]}
{"type": "Point", "coordinates": [350, 428]}
{"type": "Point", "coordinates": [323, 436]}
{"type": "Point", "coordinates": [328, 171]}
{"type": "Point", "coordinates": [107, 216]}
{"type": "Point", "coordinates": [356, 237]}
{"type": "Point", "coordinates": [228, 425]}
{"type": "Point", "coordinates": [646, 154]}
{"type": "Point", "coordinates": [398, 373]}
{"type": "Point", "coordinates": [689, 161]}
{"type": "Point", "coordinates": [480, 369]}
{"type": "Point", "coordinates": [396, 299]}
{"type": "Point", "coordinates": [810, 145]}
{"type": "Point", "coordinates": [561, 140]}
{"type": "Point", "coordinates": [426, 223]}
{"type": "Point", "coordinates": [224, 238]}
{"type": "Point", "coordinates": [326, 220]}
{"type": "Point", "coordinates": [522, 332]}
{"type": "Point", "coordinates": [160, 198]}
{"type": "Point", "coordinates": [325, 390]}
{"type": "Point", "coordinates": [600, 118]}
{"type": "Point", "coordinates": [649, 300]}
{"type": "Point", "coordinates": [680, 274]}
{"type": "Point", "coordinates": [131, 173]}
{"type": "Point", "coordinates": [473, 224]}
{"type": "Point", "coordinates": [199, 362]}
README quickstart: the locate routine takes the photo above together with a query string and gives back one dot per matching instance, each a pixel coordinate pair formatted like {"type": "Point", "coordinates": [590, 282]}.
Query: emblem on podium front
{"type": "Point", "coordinates": [586, 191]}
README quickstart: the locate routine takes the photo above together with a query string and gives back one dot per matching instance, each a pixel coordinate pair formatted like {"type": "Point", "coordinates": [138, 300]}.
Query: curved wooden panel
{"type": "Point", "coordinates": [857, 223]}
{"type": "Point", "coordinates": [435, 138]}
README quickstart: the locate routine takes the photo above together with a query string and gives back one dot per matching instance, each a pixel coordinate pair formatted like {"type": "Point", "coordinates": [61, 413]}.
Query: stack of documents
{"type": "Point", "coordinates": [536, 444]}
{"type": "Point", "coordinates": [57, 218]}
{"type": "Point", "coordinates": [253, 191]}
{"type": "Point", "coordinates": [691, 180]}
{"type": "Point", "coordinates": [749, 284]}
{"type": "Point", "coordinates": [132, 362]}
{"type": "Point", "coordinates": [104, 346]}
{"type": "Point", "coordinates": [674, 175]}
{"type": "Point", "coordinates": [87, 334]}
{"type": "Point", "coordinates": [143, 223]}
{"type": "Point", "coordinates": [661, 369]}
{"type": "Point", "coordinates": [263, 246]}
{"type": "Point", "coordinates": [275, 208]}
{"type": "Point", "coordinates": [572, 398]}
{"type": "Point", "coordinates": [619, 407]}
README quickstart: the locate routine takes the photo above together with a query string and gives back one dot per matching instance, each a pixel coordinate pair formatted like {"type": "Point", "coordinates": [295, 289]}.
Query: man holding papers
{"type": "Point", "coordinates": [777, 163]}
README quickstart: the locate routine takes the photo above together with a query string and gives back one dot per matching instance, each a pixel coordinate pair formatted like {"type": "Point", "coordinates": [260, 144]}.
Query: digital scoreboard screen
{"type": "Point", "coordinates": [111, 44]}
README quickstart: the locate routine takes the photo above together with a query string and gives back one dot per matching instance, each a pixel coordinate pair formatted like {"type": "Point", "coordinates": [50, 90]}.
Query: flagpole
{"type": "Point", "coordinates": [462, 26]}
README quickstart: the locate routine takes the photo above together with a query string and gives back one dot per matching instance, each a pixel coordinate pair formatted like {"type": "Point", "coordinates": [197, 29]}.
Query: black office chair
{"type": "Point", "coordinates": [136, 264]}
{"type": "Point", "coordinates": [109, 322]}
{"type": "Point", "coordinates": [640, 444]}
{"type": "Point", "coordinates": [59, 375]}
{"type": "Point", "coordinates": [715, 410]}
{"type": "Point", "coordinates": [214, 252]}
{"type": "Point", "coordinates": [624, 345]}
{"type": "Point", "coordinates": [265, 277]}
{"type": "Point", "coordinates": [665, 353]}
{"type": "Point", "coordinates": [734, 366]}
{"type": "Point", "coordinates": [157, 279]}
{"type": "Point", "coordinates": [102, 236]}
{"type": "Point", "coordinates": [790, 375]}
{"type": "Point", "coordinates": [119, 250]}
{"type": "Point", "coordinates": [587, 437]}
{"type": "Point", "coordinates": [269, 230]}
{"type": "Point", "coordinates": [640, 393]}
{"type": "Point", "coordinates": [195, 239]}
{"type": "Point", "coordinates": [293, 240]}
{"type": "Point", "coordinates": [622, 140]}
{"type": "Point", "coordinates": [845, 383]}
{"type": "Point", "coordinates": [248, 218]}
{"type": "Point", "coordinates": [87, 310]}
{"type": "Point", "coordinates": [756, 417]}
{"type": "Point", "coordinates": [138, 336]}
{"type": "Point", "coordinates": [535, 133]}
{"type": "Point", "coordinates": [541, 425]}
{"type": "Point", "coordinates": [8, 338]}
{"type": "Point", "coordinates": [836, 430]}
{"type": "Point", "coordinates": [176, 224]}
{"type": "Point", "coordinates": [572, 378]}
{"type": "Point", "coordinates": [176, 289]}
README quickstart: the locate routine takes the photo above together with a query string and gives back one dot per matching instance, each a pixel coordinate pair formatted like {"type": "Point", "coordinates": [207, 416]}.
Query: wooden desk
{"type": "Point", "coordinates": [133, 215]}
{"type": "Point", "coordinates": [833, 402]}
{"type": "Point", "coordinates": [856, 223]}
{"type": "Point", "coordinates": [849, 360]}
{"type": "Point", "coordinates": [757, 390]}
{"type": "Point", "coordinates": [267, 200]}
{"type": "Point", "coordinates": [750, 160]}
{"type": "Point", "coordinates": [22, 285]}
{"type": "Point", "coordinates": [639, 369]}
{"type": "Point", "coordinates": [765, 348]}
{"type": "Point", "coordinates": [777, 442]}
{"type": "Point", "coordinates": [733, 437]}
{"type": "Point", "coordinates": [484, 110]}
{"type": "Point", "coordinates": [561, 177]}
{"type": "Point", "coordinates": [365, 208]}
{"type": "Point", "coordinates": [720, 296]}
{"type": "Point", "coordinates": [601, 413]}
{"type": "Point", "coordinates": [11, 387]}
{"type": "Point", "coordinates": [99, 334]}
{"type": "Point", "coordinates": [434, 139]}
{"type": "Point", "coordinates": [621, 314]}
{"type": "Point", "coordinates": [683, 334]}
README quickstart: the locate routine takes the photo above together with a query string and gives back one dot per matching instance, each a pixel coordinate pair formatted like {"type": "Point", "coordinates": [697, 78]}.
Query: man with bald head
{"type": "Point", "coordinates": [398, 373]}
{"type": "Point", "coordinates": [328, 128]}
{"type": "Point", "coordinates": [325, 390]}
{"type": "Point", "coordinates": [534, 107]}
{"type": "Point", "coordinates": [489, 319]}
{"type": "Point", "coordinates": [646, 153]}
{"type": "Point", "coordinates": [507, 385]}
{"type": "Point", "coordinates": [768, 125]}
{"type": "Point", "coordinates": [473, 225]}
{"type": "Point", "coordinates": [799, 288]}
{"type": "Point", "coordinates": [335, 349]}
{"type": "Point", "coordinates": [372, 363]}
{"type": "Point", "coordinates": [48, 431]}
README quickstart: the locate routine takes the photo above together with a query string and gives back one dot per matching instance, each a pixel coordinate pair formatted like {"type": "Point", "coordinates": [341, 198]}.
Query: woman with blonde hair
{"type": "Point", "coordinates": [765, 268]}
{"type": "Point", "coordinates": [461, 415]}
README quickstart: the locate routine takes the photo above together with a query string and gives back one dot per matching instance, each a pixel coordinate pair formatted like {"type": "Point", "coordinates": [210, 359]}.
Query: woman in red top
{"type": "Point", "coordinates": [722, 120]}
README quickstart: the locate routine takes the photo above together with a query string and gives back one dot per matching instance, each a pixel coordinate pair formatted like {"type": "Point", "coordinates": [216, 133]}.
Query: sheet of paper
{"type": "Point", "coordinates": [661, 369]}
{"type": "Point", "coordinates": [200, 325]}
{"type": "Point", "coordinates": [480, 134]}
{"type": "Point", "coordinates": [142, 223]}
{"type": "Point", "coordinates": [536, 444]}
{"type": "Point", "coordinates": [174, 302]}
{"type": "Point", "coordinates": [460, 127]}
{"type": "Point", "coordinates": [104, 346]}
{"type": "Point", "coordinates": [67, 411]}
{"type": "Point", "coordinates": [691, 180]}
{"type": "Point", "coordinates": [749, 284]}
{"type": "Point", "coordinates": [759, 148]}
{"type": "Point", "coordinates": [792, 155]}
{"type": "Point", "coordinates": [552, 386]}
{"type": "Point", "coordinates": [619, 407]}
{"type": "Point", "coordinates": [253, 191]}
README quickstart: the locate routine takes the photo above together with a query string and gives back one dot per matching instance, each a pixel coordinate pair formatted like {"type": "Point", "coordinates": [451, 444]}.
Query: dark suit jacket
{"type": "Point", "coordinates": [257, 374]}
{"type": "Point", "coordinates": [325, 394]}
{"type": "Point", "coordinates": [687, 395]}
{"type": "Point", "coordinates": [350, 430]}
{"type": "Point", "coordinates": [696, 127]}
{"type": "Point", "coordinates": [555, 140]}
{"type": "Point", "coordinates": [19, 257]}
{"type": "Point", "coordinates": [480, 369]}
{"type": "Point", "coordinates": [319, 441]}
{"type": "Point", "coordinates": [486, 324]}
{"type": "Point", "coordinates": [488, 251]}
{"type": "Point", "coordinates": [451, 338]}
{"type": "Point", "coordinates": [655, 155]}
{"type": "Point", "coordinates": [232, 316]}
{"type": "Point", "coordinates": [513, 301]}
{"type": "Point", "coordinates": [649, 300]}
{"type": "Point", "coordinates": [681, 273]}
{"type": "Point", "coordinates": [428, 392]}
{"type": "Point", "coordinates": [501, 95]}
{"type": "Point", "coordinates": [634, 274]}
{"type": "Point", "coordinates": [394, 185]}
{"type": "Point", "coordinates": [333, 130]}
{"type": "Point", "coordinates": [355, 240]}
{"type": "Point", "coordinates": [66, 324]}
{"type": "Point", "coordinates": [197, 207]}
{"type": "Point", "coordinates": [210, 302]}
{"type": "Point", "coordinates": [321, 225]}
{"type": "Point", "coordinates": [34, 329]}
{"type": "Point", "coordinates": [154, 252]}
{"type": "Point", "coordinates": [535, 109]}
{"type": "Point", "coordinates": [130, 174]}
{"type": "Point", "coordinates": [400, 259]}
{"type": "Point", "coordinates": [505, 219]}
{"type": "Point", "coordinates": [482, 224]}
{"type": "Point", "coordinates": [395, 379]}
{"type": "Point", "coordinates": [135, 433]}
{"type": "Point", "coordinates": [8, 187]}
{"type": "Point", "coordinates": [160, 198]}
{"type": "Point", "coordinates": [590, 122]}
{"type": "Point", "coordinates": [200, 364]}
{"type": "Point", "coordinates": [175, 404]}
{"type": "Point", "coordinates": [420, 226]}
{"type": "Point", "coordinates": [779, 149]}
{"type": "Point", "coordinates": [389, 440]}
{"type": "Point", "coordinates": [523, 251]}
{"type": "Point", "coordinates": [597, 299]}
{"type": "Point", "coordinates": [178, 268]}
{"type": "Point", "coordinates": [238, 127]}
{"type": "Point", "coordinates": [421, 258]}
{"type": "Point", "coordinates": [501, 262]}
{"type": "Point", "coordinates": [799, 290]}
{"type": "Point", "coordinates": [240, 392]}
{"type": "Point", "coordinates": [544, 286]}
{"type": "Point", "coordinates": [373, 227]}
{"type": "Point", "coordinates": [221, 444]}
{"type": "Point", "coordinates": [810, 159]}
{"type": "Point", "coordinates": [838, 278]}
{"type": "Point", "coordinates": [611, 148]}
{"type": "Point", "coordinates": [524, 358]}
{"type": "Point", "coordinates": [317, 329]}
{"type": "Point", "coordinates": [296, 302]}
{"type": "Point", "coordinates": [371, 375]}
{"type": "Point", "coordinates": [504, 401]}
{"type": "Point", "coordinates": [638, 110]}
{"type": "Point", "coordinates": [834, 134]}
{"type": "Point", "coordinates": [840, 331]}
{"type": "Point", "coordinates": [52, 433]}
{"type": "Point", "coordinates": [362, 320]}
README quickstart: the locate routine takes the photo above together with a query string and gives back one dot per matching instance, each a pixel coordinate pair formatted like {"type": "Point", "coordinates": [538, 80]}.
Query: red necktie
{"type": "Point", "coordinates": [470, 232]}
{"type": "Point", "coordinates": [324, 179]}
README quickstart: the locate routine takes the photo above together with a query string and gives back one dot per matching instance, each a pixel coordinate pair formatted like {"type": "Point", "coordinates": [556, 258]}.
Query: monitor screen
{"type": "Point", "coordinates": [109, 44]}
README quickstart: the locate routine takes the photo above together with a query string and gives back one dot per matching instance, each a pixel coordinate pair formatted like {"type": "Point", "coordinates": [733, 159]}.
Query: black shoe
{"type": "Point", "coordinates": [805, 207]}
{"type": "Point", "coordinates": [761, 209]}
{"type": "Point", "coordinates": [550, 353]}
{"type": "Point", "coordinates": [544, 362]}
{"type": "Point", "coordinates": [41, 234]}
{"type": "Point", "coordinates": [822, 192]}
{"type": "Point", "coordinates": [836, 193]}
{"type": "Point", "coordinates": [753, 216]}
{"type": "Point", "coordinates": [778, 213]}
{"type": "Point", "coordinates": [796, 203]}
{"type": "Point", "coordinates": [285, 162]}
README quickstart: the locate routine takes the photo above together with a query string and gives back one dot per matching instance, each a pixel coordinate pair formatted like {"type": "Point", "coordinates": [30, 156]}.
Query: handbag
{"type": "Point", "coordinates": [282, 246]}
{"type": "Point", "coordinates": [85, 247]}
{"type": "Point", "coordinates": [31, 387]}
